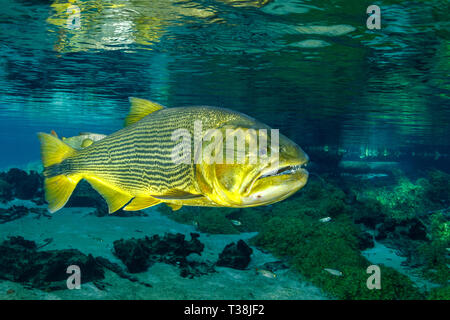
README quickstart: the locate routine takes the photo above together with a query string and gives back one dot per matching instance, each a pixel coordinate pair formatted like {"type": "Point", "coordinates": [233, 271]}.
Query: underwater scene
{"type": "Point", "coordinates": [224, 150]}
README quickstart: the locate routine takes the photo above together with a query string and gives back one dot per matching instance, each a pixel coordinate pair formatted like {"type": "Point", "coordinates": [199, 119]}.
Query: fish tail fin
{"type": "Point", "coordinates": [57, 185]}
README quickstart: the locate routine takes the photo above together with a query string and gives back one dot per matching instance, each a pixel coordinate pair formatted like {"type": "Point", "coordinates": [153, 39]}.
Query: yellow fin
{"type": "Point", "coordinates": [53, 150]}
{"type": "Point", "coordinates": [58, 190]}
{"type": "Point", "coordinates": [139, 109]}
{"type": "Point", "coordinates": [177, 195]}
{"type": "Point", "coordinates": [140, 203]}
{"type": "Point", "coordinates": [115, 198]}
{"type": "Point", "coordinates": [174, 206]}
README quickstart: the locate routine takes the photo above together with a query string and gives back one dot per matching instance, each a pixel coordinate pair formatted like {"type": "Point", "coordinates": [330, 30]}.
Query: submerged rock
{"type": "Point", "coordinates": [365, 241]}
{"type": "Point", "coordinates": [21, 262]}
{"type": "Point", "coordinates": [12, 213]}
{"type": "Point", "coordinates": [23, 185]}
{"type": "Point", "coordinates": [235, 255]}
{"type": "Point", "coordinates": [139, 254]}
{"type": "Point", "coordinates": [413, 229]}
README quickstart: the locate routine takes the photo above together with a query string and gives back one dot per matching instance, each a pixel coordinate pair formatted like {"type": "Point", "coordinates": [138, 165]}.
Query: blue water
{"type": "Point", "coordinates": [309, 68]}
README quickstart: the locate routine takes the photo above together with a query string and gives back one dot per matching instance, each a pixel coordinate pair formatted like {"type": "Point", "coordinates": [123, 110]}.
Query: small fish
{"type": "Point", "coordinates": [266, 273]}
{"type": "Point", "coordinates": [236, 222]}
{"type": "Point", "coordinates": [334, 272]}
{"type": "Point", "coordinates": [134, 169]}
{"type": "Point", "coordinates": [83, 140]}
{"type": "Point", "coordinates": [325, 219]}
{"type": "Point", "coordinates": [96, 238]}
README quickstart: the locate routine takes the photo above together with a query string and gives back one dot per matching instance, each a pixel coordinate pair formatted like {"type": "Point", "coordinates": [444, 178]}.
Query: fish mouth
{"type": "Point", "coordinates": [285, 170]}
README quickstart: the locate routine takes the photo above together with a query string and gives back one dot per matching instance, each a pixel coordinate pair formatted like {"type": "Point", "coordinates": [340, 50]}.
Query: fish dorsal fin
{"type": "Point", "coordinates": [140, 203]}
{"type": "Point", "coordinates": [177, 195]}
{"type": "Point", "coordinates": [115, 198]}
{"type": "Point", "coordinates": [139, 109]}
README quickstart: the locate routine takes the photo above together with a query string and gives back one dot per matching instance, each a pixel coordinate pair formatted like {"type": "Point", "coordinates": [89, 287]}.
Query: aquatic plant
{"type": "Point", "coordinates": [438, 187]}
{"type": "Point", "coordinates": [404, 200]}
{"type": "Point", "coordinates": [370, 212]}
{"type": "Point", "coordinates": [440, 293]}
{"type": "Point", "coordinates": [207, 220]}
{"type": "Point", "coordinates": [315, 246]}
{"type": "Point", "coordinates": [215, 222]}
{"type": "Point", "coordinates": [440, 226]}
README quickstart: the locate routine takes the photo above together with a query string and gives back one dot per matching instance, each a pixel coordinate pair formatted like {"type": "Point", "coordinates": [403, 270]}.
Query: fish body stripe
{"type": "Point", "coordinates": [138, 158]}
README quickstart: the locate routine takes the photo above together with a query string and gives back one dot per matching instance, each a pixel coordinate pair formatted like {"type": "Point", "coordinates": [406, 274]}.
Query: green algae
{"type": "Point", "coordinates": [294, 229]}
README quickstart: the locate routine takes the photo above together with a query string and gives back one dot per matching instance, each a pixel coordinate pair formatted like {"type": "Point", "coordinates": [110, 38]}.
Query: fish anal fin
{"type": "Point", "coordinates": [141, 202]}
{"type": "Point", "coordinates": [177, 195]}
{"type": "Point", "coordinates": [58, 190]}
{"type": "Point", "coordinates": [174, 206]}
{"type": "Point", "coordinates": [115, 198]}
{"type": "Point", "coordinates": [139, 109]}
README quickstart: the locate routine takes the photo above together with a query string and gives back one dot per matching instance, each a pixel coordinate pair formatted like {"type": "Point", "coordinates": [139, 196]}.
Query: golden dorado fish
{"type": "Point", "coordinates": [136, 167]}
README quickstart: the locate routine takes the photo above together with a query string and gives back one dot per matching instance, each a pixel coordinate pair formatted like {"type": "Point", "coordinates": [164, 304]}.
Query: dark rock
{"type": "Point", "coordinates": [235, 256]}
{"type": "Point", "coordinates": [274, 266]}
{"type": "Point", "coordinates": [412, 229]}
{"type": "Point", "coordinates": [12, 213]}
{"type": "Point", "coordinates": [24, 185]}
{"type": "Point", "coordinates": [21, 262]}
{"type": "Point", "coordinates": [6, 191]}
{"type": "Point", "coordinates": [385, 229]}
{"type": "Point", "coordinates": [114, 267]}
{"type": "Point", "coordinates": [40, 212]}
{"type": "Point", "coordinates": [365, 241]}
{"type": "Point", "coordinates": [370, 213]}
{"type": "Point", "coordinates": [139, 254]}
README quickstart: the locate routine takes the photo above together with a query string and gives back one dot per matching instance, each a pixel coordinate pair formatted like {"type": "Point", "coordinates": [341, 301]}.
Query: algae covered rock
{"type": "Point", "coordinates": [12, 213]}
{"type": "Point", "coordinates": [438, 187]}
{"type": "Point", "coordinates": [205, 219]}
{"type": "Point", "coordinates": [313, 247]}
{"type": "Point", "coordinates": [235, 255]}
{"type": "Point", "coordinates": [139, 254]}
{"type": "Point", "coordinates": [21, 262]}
{"type": "Point", "coordinates": [20, 184]}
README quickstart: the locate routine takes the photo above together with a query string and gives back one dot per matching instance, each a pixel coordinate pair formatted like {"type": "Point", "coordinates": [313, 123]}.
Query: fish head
{"type": "Point", "coordinates": [264, 175]}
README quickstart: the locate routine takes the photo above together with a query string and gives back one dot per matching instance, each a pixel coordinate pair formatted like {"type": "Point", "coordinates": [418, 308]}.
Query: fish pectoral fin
{"type": "Point", "coordinates": [177, 195]}
{"type": "Point", "coordinates": [174, 206]}
{"type": "Point", "coordinates": [115, 198]}
{"type": "Point", "coordinates": [139, 203]}
{"type": "Point", "coordinates": [140, 108]}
